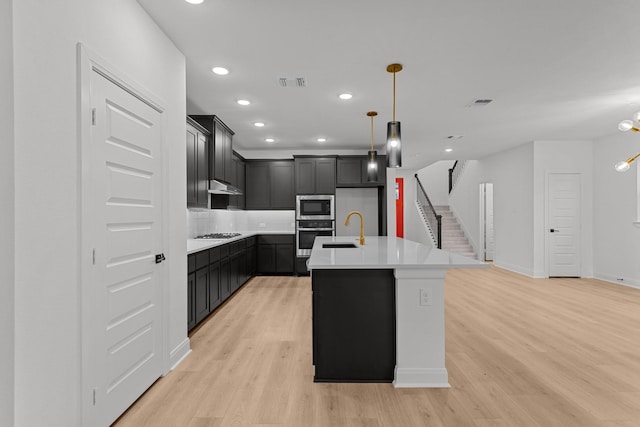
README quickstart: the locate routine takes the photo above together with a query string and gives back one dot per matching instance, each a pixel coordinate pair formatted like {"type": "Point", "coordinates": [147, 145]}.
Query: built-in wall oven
{"type": "Point", "coordinates": [315, 216]}
{"type": "Point", "coordinates": [307, 230]}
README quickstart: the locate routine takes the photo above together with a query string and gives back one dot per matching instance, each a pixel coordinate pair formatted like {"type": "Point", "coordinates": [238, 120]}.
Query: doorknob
{"type": "Point", "coordinates": [160, 258]}
{"type": "Point", "coordinates": [553, 230]}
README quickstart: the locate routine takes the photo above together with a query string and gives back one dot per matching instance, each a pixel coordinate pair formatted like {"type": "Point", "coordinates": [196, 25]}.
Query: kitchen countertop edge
{"type": "Point", "coordinates": [197, 245]}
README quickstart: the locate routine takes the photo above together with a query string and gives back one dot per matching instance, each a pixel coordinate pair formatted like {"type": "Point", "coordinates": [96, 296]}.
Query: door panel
{"type": "Point", "coordinates": [125, 284]}
{"type": "Point", "coordinates": [563, 197]}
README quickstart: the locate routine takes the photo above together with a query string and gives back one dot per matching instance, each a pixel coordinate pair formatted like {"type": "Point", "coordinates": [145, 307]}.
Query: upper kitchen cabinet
{"type": "Point", "coordinates": [351, 171]}
{"type": "Point", "coordinates": [269, 185]}
{"type": "Point", "coordinates": [315, 175]}
{"type": "Point", "coordinates": [197, 165]}
{"type": "Point", "coordinates": [238, 201]}
{"type": "Point", "coordinates": [221, 155]}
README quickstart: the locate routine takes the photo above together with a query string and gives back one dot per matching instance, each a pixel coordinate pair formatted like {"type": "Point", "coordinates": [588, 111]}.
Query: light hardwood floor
{"type": "Point", "coordinates": [519, 351]}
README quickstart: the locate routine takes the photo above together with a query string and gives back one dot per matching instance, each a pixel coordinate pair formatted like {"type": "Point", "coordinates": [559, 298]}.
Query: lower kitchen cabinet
{"type": "Point", "coordinates": [276, 254]}
{"type": "Point", "coordinates": [202, 294]}
{"type": "Point", "coordinates": [214, 274]}
{"type": "Point", "coordinates": [191, 308]}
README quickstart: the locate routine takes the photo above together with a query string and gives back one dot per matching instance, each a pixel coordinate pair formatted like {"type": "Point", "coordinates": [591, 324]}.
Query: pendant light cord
{"type": "Point", "coordinates": [394, 96]}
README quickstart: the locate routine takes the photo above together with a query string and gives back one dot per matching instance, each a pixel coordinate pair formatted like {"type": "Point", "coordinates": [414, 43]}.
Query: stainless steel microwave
{"type": "Point", "coordinates": [315, 206]}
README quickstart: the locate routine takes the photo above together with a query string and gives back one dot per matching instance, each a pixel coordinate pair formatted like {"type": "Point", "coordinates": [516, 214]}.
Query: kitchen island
{"type": "Point", "coordinates": [378, 310]}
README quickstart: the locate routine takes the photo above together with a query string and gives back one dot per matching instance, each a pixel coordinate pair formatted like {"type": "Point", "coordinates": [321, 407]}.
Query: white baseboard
{"type": "Point", "coordinates": [421, 378]}
{"type": "Point", "coordinates": [179, 353]}
{"type": "Point", "coordinates": [514, 268]}
{"type": "Point", "coordinates": [630, 283]}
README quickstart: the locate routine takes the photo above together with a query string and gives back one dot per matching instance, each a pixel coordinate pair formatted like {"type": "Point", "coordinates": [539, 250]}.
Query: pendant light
{"type": "Point", "coordinates": [372, 166]}
{"type": "Point", "coordinates": [394, 144]}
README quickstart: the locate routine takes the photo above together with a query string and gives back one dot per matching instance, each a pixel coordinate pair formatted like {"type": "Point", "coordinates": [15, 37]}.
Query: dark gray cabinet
{"type": "Point", "coordinates": [351, 171]}
{"type": "Point", "coordinates": [269, 184]}
{"type": "Point", "coordinates": [197, 165]}
{"type": "Point", "coordinates": [315, 175]}
{"type": "Point", "coordinates": [214, 274]}
{"type": "Point", "coordinates": [238, 167]}
{"type": "Point", "coordinates": [276, 254]}
{"type": "Point", "coordinates": [221, 154]}
{"type": "Point", "coordinates": [354, 325]}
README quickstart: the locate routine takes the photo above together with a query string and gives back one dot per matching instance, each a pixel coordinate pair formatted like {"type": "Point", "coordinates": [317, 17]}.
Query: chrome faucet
{"type": "Point", "coordinates": [346, 224]}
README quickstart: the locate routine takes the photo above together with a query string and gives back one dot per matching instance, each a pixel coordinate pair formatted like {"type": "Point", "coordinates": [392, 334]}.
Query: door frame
{"type": "Point", "coordinates": [547, 239]}
{"type": "Point", "coordinates": [482, 244]}
{"type": "Point", "coordinates": [89, 62]}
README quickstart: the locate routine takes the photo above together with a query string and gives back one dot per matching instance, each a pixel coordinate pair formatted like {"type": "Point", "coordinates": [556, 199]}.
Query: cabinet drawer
{"type": "Point", "coordinates": [202, 259]}
{"type": "Point", "coordinates": [275, 239]}
{"type": "Point", "coordinates": [224, 251]}
{"type": "Point", "coordinates": [214, 255]}
{"type": "Point", "coordinates": [191, 263]}
{"type": "Point", "coordinates": [251, 241]}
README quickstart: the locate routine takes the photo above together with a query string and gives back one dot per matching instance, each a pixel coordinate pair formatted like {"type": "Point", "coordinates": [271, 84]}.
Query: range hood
{"type": "Point", "coordinates": [219, 187]}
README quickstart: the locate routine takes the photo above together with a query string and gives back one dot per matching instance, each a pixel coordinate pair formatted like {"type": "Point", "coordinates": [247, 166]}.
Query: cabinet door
{"type": "Point", "coordinates": [252, 264]}
{"type": "Point", "coordinates": [225, 289]}
{"type": "Point", "coordinates": [202, 294]}
{"type": "Point", "coordinates": [192, 167]}
{"type": "Point", "coordinates": [305, 173]}
{"type": "Point", "coordinates": [234, 272]}
{"type": "Point", "coordinates": [281, 185]}
{"type": "Point", "coordinates": [229, 172]}
{"type": "Point", "coordinates": [219, 153]}
{"type": "Point", "coordinates": [214, 286]}
{"type": "Point", "coordinates": [266, 258]}
{"type": "Point", "coordinates": [240, 183]}
{"type": "Point", "coordinates": [203, 170]}
{"type": "Point", "coordinates": [284, 258]}
{"type": "Point", "coordinates": [349, 171]}
{"type": "Point", "coordinates": [325, 176]}
{"type": "Point", "coordinates": [257, 185]}
{"type": "Point", "coordinates": [191, 309]}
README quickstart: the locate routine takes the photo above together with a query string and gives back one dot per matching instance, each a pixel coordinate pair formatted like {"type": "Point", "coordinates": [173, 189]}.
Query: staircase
{"type": "Point", "coordinates": [453, 238]}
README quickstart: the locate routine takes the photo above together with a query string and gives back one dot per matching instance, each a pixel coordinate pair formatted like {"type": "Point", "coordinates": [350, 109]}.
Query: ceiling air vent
{"type": "Point", "coordinates": [292, 82]}
{"type": "Point", "coordinates": [480, 103]}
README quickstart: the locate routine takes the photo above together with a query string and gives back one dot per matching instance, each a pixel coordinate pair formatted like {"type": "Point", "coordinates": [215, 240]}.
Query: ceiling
{"type": "Point", "coordinates": [555, 70]}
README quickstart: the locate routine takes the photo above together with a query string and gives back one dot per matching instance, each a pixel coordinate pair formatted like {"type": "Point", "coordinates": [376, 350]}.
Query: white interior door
{"type": "Point", "coordinates": [125, 281]}
{"type": "Point", "coordinates": [563, 220]}
{"type": "Point", "coordinates": [489, 239]}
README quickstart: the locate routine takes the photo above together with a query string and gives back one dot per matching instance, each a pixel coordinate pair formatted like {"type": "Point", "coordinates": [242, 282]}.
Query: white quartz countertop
{"type": "Point", "coordinates": [385, 252]}
{"type": "Point", "coordinates": [197, 245]}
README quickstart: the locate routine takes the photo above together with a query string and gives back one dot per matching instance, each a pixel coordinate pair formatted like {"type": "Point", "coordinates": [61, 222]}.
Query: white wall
{"type": "Point", "coordinates": [204, 221]}
{"type": "Point", "coordinates": [435, 180]}
{"type": "Point", "coordinates": [511, 172]}
{"type": "Point", "coordinates": [47, 307]}
{"type": "Point", "coordinates": [616, 250]}
{"type": "Point", "coordinates": [562, 157]}
{"type": "Point", "coordinates": [7, 279]}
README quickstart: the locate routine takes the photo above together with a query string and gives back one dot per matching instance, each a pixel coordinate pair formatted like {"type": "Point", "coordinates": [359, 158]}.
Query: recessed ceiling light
{"type": "Point", "coordinates": [221, 71]}
{"type": "Point", "coordinates": [258, 124]}
{"type": "Point", "coordinates": [269, 140]}
{"type": "Point", "coordinates": [448, 150]}
{"type": "Point", "coordinates": [345, 96]}
{"type": "Point", "coordinates": [243, 102]}
{"type": "Point", "coordinates": [194, 1]}
{"type": "Point", "coordinates": [321, 139]}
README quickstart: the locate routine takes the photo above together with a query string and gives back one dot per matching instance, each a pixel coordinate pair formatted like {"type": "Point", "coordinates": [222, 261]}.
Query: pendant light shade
{"type": "Point", "coordinates": [372, 164]}
{"type": "Point", "coordinates": [394, 143]}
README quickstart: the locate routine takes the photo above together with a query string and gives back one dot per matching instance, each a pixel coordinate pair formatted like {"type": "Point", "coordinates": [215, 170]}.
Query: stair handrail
{"type": "Point", "coordinates": [435, 220]}
{"type": "Point", "coordinates": [454, 174]}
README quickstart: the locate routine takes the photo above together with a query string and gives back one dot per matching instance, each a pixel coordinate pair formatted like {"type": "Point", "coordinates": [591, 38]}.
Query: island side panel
{"type": "Point", "coordinates": [354, 325]}
{"type": "Point", "coordinates": [420, 360]}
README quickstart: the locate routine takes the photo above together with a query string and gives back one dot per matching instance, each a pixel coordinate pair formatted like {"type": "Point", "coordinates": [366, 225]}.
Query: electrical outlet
{"type": "Point", "coordinates": [425, 296]}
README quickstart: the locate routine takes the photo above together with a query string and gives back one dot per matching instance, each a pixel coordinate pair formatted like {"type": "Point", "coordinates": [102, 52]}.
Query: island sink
{"type": "Point", "coordinates": [335, 245]}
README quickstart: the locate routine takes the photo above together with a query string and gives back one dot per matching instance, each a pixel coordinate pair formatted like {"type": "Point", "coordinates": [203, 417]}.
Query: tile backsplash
{"type": "Point", "coordinates": [200, 221]}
